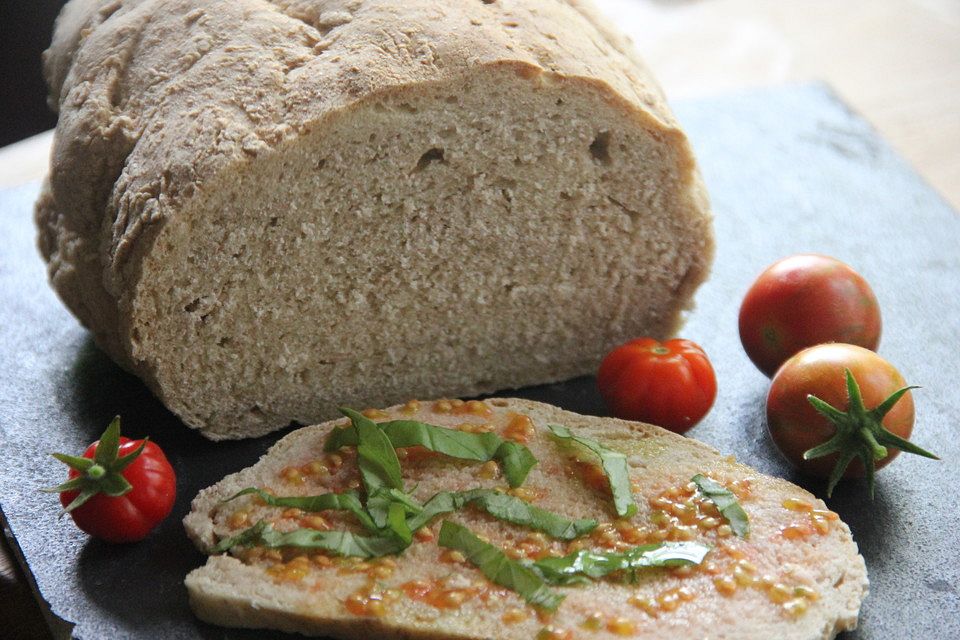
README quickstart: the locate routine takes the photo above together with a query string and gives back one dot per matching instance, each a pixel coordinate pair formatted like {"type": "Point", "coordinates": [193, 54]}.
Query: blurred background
{"type": "Point", "coordinates": [25, 29]}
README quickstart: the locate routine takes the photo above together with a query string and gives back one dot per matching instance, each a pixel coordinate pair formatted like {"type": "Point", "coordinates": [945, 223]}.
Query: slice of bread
{"type": "Point", "coordinates": [798, 576]}
{"type": "Point", "coordinates": [263, 207]}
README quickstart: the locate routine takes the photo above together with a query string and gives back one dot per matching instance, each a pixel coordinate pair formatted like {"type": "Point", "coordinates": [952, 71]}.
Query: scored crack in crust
{"type": "Point", "coordinates": [798, 576]}
{"type": "Point", "coordinates": [259, 207]}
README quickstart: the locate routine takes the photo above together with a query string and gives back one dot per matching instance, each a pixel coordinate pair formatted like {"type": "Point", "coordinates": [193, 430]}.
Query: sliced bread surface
{"type": "Point", "coordinates": [797, 576]}
{"type": "Point", "coordinates": [262, 208]}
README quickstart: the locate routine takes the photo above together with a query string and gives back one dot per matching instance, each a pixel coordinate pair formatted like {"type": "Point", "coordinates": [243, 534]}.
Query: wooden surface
{"type": "Point", "coordinates": [897, 62]}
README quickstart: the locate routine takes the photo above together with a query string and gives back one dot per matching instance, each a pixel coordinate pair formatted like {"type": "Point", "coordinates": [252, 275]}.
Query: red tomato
{"type": "Point", "coordinates": [802, 301]}
{"type": "Point", "coordinates": [132, 514]}
{"type": "Point", "coordinates": [671, 384]}
{"type": "Point", "coordinates": [821, 371]}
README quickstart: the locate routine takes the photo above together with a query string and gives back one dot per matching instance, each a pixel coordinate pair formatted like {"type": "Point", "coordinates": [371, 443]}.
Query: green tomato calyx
{"type": "Point", "coordinates": [101, 474]}
{"type": "Point", "coordinates": [96, 472]}
{"type": "Point", "coordinates": [860, 433]}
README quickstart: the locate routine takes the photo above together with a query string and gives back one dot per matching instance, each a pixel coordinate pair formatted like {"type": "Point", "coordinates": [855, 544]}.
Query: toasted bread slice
{"type": "Point", "coordinates": [797, 575]}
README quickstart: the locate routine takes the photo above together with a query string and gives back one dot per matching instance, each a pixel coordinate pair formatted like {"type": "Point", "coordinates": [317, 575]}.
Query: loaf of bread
{"type": "Point", "coordinates": [259, 206]}
{"type": "Point", "coordinates": [796, 575]}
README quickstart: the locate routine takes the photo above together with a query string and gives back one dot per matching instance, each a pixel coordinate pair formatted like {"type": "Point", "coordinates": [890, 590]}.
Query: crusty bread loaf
{"type": "Point", "coordinates": [259, 207]}
{"type": "Point", "coordinates": [797, 576]}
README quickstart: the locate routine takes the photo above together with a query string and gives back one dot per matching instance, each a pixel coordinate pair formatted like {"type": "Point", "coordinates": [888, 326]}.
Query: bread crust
{"type": "Point", "coordinates": [160, 99]}
{"type": "Point", "coordinates": [229, 592]}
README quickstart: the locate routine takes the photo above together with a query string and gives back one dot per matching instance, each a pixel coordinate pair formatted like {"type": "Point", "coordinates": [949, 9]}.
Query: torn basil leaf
{"type": "Point", "coordinates": [504, 507]}
{"type": "Point", "coordinates": [514, 459]}
{"type": "Point", "coordinates": [497, 567]}
{"type": "Point", "coordinates": [347, 501]}
{"type": "Point", "coordinates": [397, 522]}
{"type": "Point", "coordinates": [341, 543]}
{"type": "Point", "coordinates": [614, 466]}
{"type": "Point", "coordinates": [398, 512]}
{"type": "Point", "coordinates": [379, 504]}
{"type": "Point", "coordinates": [246, 538]}
{"type": "Point", "coordinates": [726, 503]}
{"type": "Point", "coordinates": [581, 566]}
{"type": "Point", "coordinates": [377, 458]}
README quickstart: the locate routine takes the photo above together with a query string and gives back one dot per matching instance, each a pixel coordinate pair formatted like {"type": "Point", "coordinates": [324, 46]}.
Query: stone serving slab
{"type": "Point", "coordinates": [789, 170]}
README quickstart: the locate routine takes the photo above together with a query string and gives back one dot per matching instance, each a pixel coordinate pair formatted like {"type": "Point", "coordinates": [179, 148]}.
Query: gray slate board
{"type": "Point", "coordinates": [789, 170]}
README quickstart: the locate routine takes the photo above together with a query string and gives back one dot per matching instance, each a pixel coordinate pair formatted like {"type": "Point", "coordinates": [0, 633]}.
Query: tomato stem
{"type": "Point", "coordinates": [879, 451]}
{"type": "Point", "coordinates": [859, 433]}
{"type": "Point", "coordinates": [103, 474]}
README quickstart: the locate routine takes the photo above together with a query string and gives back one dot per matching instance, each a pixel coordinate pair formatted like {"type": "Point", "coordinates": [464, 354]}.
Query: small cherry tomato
{"type": "Point", "coordinates": [839, 410]}
{"type": "Point", "coordinates": [802, 301]}
{"type": "Point", "coordinates": [120, 489]}
{"type": "Point", "coordinates": [671, 385]}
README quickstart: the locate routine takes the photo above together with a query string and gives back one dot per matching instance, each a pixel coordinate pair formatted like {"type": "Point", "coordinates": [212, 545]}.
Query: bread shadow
{"type": "Point", "coordinates": [95, 389]}
{"type": "Point", "coordinates": [579, 395]}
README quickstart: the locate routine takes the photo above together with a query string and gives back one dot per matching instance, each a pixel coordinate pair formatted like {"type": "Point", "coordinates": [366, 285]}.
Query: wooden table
{"type": "Point", "coordinates": [895, 61]}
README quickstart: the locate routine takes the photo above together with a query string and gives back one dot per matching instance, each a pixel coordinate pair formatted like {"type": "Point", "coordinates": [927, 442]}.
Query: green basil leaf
{"type": "Point", "coordinates": [614, 465]}
{"type": "Point", "coordinates": [515, 459]}
{"type": "Point", "coordinates": [450, 442]}
{"type": "Point", "coordinates": [397, 522]}
{"type": "Point", "coordinates": [341, 543]}
{"type": "Point", "coordinates": [379, 504]}
{"type": "Point", "coordinates": [504, 507]}
{"type": "Point", "coordinates": [341, 437]}
{"type": "Point", "coordinates": [246, 538]}
{"type": "Point", "coordinates": [497, 567]}
{"type": "Point", "coordinates": [726, 502]}
{"type": "Point", "coordinates": [410, 433]}
{"type": "Point", "coordinates": [577, 567]}
{"type": "Point", "coordinates": [347, 501]}
{"type": "Point", "coordinates": [440, 503]}
{"type": "Point", "coordinates": [517, 511]}
{"type": "Point", "coordinates": [377, 458]}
